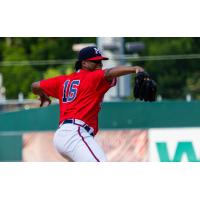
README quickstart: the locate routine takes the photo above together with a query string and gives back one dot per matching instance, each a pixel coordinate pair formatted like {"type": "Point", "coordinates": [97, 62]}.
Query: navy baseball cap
{"type": "Point", "coordinates": [90, 53]}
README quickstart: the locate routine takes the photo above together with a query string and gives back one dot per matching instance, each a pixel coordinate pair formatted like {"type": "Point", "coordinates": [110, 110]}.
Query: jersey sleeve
{"type": "Point", "coordinates": [50, 86]}
{"type": "Point", "coordinates": [98, 79]}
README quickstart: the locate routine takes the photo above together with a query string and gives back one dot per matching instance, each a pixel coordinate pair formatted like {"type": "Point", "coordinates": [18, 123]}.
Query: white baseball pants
{"type": "Point", "coordinates": [73, 141]}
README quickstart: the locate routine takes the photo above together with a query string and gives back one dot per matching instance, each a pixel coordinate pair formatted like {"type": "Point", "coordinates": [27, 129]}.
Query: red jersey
{"type": "Point", "coordinates": [80, 94]}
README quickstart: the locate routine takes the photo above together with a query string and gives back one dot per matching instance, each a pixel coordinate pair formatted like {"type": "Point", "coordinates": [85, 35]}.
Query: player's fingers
{"type": "Point", "coordinates": [139, 69]}
{"type": "Point", "coordinates": [49, 101]}
{"type": "Point", "coordinates": [41, 103]}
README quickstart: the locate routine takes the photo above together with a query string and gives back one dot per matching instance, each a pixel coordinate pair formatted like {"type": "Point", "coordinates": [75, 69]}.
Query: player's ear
{"type": "Point", "coordinates": [84, 63]}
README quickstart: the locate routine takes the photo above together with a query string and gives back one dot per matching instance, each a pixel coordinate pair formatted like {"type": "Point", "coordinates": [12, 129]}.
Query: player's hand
{"type": "Point", "coordinates": [138, 69]}
{"type": "Point", "coordinates": [44, 99]}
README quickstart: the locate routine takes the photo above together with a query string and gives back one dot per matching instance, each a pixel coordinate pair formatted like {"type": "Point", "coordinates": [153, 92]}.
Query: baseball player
{"type": "Point", "coordinates": [80, 95]}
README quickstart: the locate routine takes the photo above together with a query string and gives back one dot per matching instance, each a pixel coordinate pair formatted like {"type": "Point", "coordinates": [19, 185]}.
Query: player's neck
{"type": "Point", "coordinates": [87, 69]}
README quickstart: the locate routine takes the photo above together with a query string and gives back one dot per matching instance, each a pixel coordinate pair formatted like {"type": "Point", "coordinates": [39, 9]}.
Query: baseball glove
{"type": "Point", "coordinates": [145, 88]}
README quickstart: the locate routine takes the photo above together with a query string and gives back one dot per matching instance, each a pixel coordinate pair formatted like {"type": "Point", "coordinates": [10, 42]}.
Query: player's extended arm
{"type": "Point", "coordinates": [35, 87]}
{"type": "Point", "coordinates": [120, 71]}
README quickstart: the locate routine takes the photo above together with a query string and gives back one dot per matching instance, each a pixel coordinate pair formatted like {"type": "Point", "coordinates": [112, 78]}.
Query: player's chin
{"type": "Point", "coordinates": [99, 66]}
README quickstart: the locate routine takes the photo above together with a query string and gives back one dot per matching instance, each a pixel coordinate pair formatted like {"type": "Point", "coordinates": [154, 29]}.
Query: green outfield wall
{"type": "Point", "coordinates": [114, 115]}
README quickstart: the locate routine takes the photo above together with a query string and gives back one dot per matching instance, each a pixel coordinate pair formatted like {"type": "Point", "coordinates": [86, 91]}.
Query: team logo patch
{"type": "Point", "coordinates": [97, 51]}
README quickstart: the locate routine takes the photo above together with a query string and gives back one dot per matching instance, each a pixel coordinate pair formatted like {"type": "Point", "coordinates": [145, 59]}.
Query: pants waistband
{"type": "Point", "coordinates": [80, 123]}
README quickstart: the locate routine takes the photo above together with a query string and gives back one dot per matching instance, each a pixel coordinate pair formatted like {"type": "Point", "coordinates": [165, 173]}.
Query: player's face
{"type": "Point", "coordinates": [92, 64]}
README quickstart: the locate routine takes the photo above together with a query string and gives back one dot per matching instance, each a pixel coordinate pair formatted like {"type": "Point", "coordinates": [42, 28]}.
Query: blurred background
{"type": "Point", "coordinates": [141, 132]}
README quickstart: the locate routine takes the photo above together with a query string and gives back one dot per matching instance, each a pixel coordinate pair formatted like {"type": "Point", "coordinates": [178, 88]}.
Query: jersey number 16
{"type": "Point", "coordinates": [70, 95]}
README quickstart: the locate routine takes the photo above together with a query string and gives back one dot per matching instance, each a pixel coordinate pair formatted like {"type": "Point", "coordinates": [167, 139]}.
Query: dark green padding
{"type": "Point", "coordinates": [117, 115]}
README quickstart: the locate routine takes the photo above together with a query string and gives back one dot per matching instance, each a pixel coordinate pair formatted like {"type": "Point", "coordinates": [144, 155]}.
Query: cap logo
{"type": "Point", "coordinates": [97, 51]}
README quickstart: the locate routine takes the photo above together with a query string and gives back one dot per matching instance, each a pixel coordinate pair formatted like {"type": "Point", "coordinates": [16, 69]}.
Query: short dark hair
{"type": "Point", "coordinates": [78, 65]}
